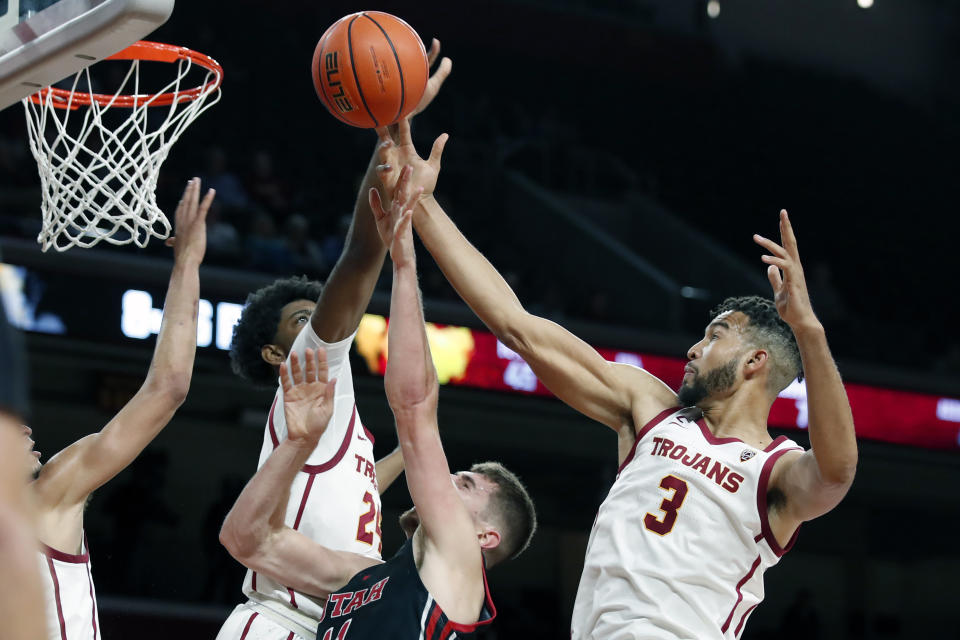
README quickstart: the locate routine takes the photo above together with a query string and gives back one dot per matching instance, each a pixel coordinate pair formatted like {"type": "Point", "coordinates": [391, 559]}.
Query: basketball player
{"type": "Point", "coordinates": [21, 591]}
{"type": "Point", "coordinates": [705, 499]}
{"type": "Point", "coordinates": [435, 586]}
{"type": "Point", "coordinates": [63, 485]}
{"type": "Point", "coordinates": [336, 498]}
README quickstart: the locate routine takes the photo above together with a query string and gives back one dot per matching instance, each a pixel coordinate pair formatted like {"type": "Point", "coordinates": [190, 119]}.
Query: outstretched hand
{"type": "Point", "coordinates": [436, 80]}
{"type": "Point", "coordinates": [395, 223]}
{"type": "Point", "coordinates": [307, 396]}
{"type": "Point", "coordinates": [789, 289]}
{"type": "Point", "coordinates": [190, 223]}
{"type": "Point", "coordinates": [397, 153]}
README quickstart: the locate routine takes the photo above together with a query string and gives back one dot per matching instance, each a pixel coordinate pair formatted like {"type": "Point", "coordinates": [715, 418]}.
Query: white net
{"type": "Point", "coordinates": [99, 164]}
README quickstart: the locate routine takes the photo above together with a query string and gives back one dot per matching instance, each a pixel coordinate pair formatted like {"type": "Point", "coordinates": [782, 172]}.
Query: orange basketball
{"type": "Point", "coordinates": [370, 69]}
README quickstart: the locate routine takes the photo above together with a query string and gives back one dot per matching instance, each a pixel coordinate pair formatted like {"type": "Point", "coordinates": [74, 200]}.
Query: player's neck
{"type": "Point", "coordinates": [741, 415]}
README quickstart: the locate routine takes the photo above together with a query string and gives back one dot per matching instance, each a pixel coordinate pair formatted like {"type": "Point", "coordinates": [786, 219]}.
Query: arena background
{"type": "Point", "coordinates": [613, 159]}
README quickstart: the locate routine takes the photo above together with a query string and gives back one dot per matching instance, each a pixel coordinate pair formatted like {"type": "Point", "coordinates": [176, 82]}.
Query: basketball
{"type": "Point", "coordinates": [370, 69]}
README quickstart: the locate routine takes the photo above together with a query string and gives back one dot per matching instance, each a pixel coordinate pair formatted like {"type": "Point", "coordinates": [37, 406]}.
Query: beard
{"type": "Point", "coordinates": [702, 386]}
{"type": "Point", "coordinates": [409, 521]}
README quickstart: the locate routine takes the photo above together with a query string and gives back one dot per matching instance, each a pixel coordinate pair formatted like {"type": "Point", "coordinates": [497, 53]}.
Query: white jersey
{"type": "Point", "coordinates": [334, 499]}
{"type": "Point", "coordinates": [681, 542]}
{"type": "Point", "coordinates": [71, 600]}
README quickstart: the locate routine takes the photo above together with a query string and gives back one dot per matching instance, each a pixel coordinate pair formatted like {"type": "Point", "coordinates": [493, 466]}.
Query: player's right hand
{"type": "Point", "coordinates": [190, 224]}
{"type": "Point", "coordinates": [307, 396]}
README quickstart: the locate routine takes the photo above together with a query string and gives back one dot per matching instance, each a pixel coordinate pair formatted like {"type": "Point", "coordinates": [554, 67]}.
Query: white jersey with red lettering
{"type": "Point", "coordinates": [681, 542]}
{"type": "Point", "coordinates": [333, 500]}
{"type": "Point", "coordinates": [71, 600]}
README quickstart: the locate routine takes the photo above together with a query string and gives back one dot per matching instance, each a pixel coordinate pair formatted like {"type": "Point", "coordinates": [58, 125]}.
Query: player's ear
{"type": "Point", "coordinates": [272, 354]}
{"type": "Point", "coordinates": [756, 361]}
{"type": "Point", "coordinates": [489, 538]}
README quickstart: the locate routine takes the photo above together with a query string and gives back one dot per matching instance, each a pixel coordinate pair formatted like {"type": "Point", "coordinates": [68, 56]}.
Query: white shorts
{"type": "Point", "coordinates": [252, 621]}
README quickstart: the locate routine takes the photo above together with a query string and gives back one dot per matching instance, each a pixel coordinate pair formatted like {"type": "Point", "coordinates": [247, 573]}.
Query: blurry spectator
{"type": "Point", "coordinates": [223, 239]}
{"type": "Point", "coordinates": [332, 243]}
{"type": "Point", "coordinates": [265, 187]}
{"type": "Point", "coordinates": [265, 250]}
{"type": "Point", "coordinates": [230, 191]}
{"type": "Point", "coordinates": [305, 253]}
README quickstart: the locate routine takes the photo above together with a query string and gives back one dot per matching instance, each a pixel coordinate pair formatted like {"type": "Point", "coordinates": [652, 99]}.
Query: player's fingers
{"type": "Point", "coordinates": [329, 392]}
{"type": "Point", "coordinates": [296, 373]}
{"type": "Point", "coordinates": [404, 132]}
{"type": "Point", "coordinates": [285, 381]}
{"type": "Point", "coordinates": [403, 182]}
{"type": "Point", "coordinates": [437, 151]}
{"type": "Point", "coordinates": [780, 263]}
{"type": "Point", "coordinates": [194, 197]}
{"type": "Point", "coordinates": [376, 205]}
{"type": "Point", "coordinates": [171, 241]}
{"type": "Point", "coordinates": [786, 233]}
{"type": "Point", "coordinates": [310, 369]}
{"type": "Point", "coordinates": [770, 245]}
{"type": "Point", "coordinates": [434, 52]}
{"type": "Point", "coordinates": [205, 203]}
{"type": "Point", "coordinates": [440, 75]}
{"type": "Point", "coordinates": [773, 275]}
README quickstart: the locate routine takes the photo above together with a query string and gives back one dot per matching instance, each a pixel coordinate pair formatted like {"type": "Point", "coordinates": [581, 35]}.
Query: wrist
{"type": "Point", "coordinates": [302, 444]}
{"type": "Point", "coordinates": [809, 327]}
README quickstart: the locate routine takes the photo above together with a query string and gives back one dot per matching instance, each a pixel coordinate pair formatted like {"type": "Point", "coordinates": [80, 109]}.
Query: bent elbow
{"type": "Point", "coordinates": [241, 547]}
{"type": "Point", "coordinates": [840, 474]}
{"type": "Point", "coordinates": [173, 387]}
{"type": "Point", "coordinates": [513, 337]}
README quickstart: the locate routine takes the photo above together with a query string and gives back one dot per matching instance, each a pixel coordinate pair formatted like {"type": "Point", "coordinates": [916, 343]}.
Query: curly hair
{"type": "Point", "coordinates": [767, 330]}
{"type": "Point", "coordinates": [511, 508]}
{"type": "Point", "coordinates": [257, 326]}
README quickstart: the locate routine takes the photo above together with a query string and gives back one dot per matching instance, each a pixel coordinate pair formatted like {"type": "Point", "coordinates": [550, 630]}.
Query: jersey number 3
{"type": "Point", "coordinates": [669, 506]}
{"type": "Point", "coordinates": [366, 519]}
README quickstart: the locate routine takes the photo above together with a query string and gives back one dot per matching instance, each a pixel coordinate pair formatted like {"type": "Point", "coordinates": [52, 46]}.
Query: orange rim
{"type": "Point", "coordinates": [142, 50]}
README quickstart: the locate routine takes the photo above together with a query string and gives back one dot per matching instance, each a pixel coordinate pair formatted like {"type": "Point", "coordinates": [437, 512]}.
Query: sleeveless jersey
{"type": "Point", "coordinates": [334, 499]}
{"type": "Point", "coordinates": [681, 542]}
{"type": "Point", "coordinates": [389, 602]}
{"type": "Point", "coordinates": [71, 601]}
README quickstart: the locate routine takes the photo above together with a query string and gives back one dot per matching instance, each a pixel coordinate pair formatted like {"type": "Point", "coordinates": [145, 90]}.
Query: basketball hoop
{"type": "Point", "coordinates": [99, 154]}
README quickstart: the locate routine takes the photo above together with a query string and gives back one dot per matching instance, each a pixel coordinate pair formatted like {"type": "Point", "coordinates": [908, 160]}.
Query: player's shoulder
{"type": "Point", "coordinates": [648, 395]}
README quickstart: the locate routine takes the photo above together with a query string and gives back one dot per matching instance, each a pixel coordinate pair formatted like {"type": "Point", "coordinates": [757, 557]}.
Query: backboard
{"type": "Point", "coordinates": [44, 41]}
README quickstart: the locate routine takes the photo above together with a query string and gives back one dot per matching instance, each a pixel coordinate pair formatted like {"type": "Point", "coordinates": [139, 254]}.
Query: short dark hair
{"type": "Point", "coordinates": [767, 329]}
{"type": "Point", "coordinates": [257, 326]}
{"type": "Point", "coordinates": [512, 510]}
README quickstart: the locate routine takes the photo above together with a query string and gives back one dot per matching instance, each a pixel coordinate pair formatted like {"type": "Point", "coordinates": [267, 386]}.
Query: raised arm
{"type": "Point", "coordinates": [620, 396]}
{"type": "Point", "coordinates": [254, 531]}
{"type": "Point", "coordinates": [411, 386]}
{"type": "Point", "coordinates": [813, 482]}
{"type": "Point", "coordinates": [74, 473]}
{"type": "Point", "coordinates": [350, 285]}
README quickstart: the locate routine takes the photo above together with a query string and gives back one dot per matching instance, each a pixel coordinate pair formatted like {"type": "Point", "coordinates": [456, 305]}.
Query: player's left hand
{"type": "Point", "coordinates": [190, 224]}
{"type": "Point", "coordinates": [394, 154]}
{"type": "Point", "coordinates": [395, 223]}
{"type": "Point", "coordinates": [790, 289]}
{"type": "Point", "coordinates": [307, 396]}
